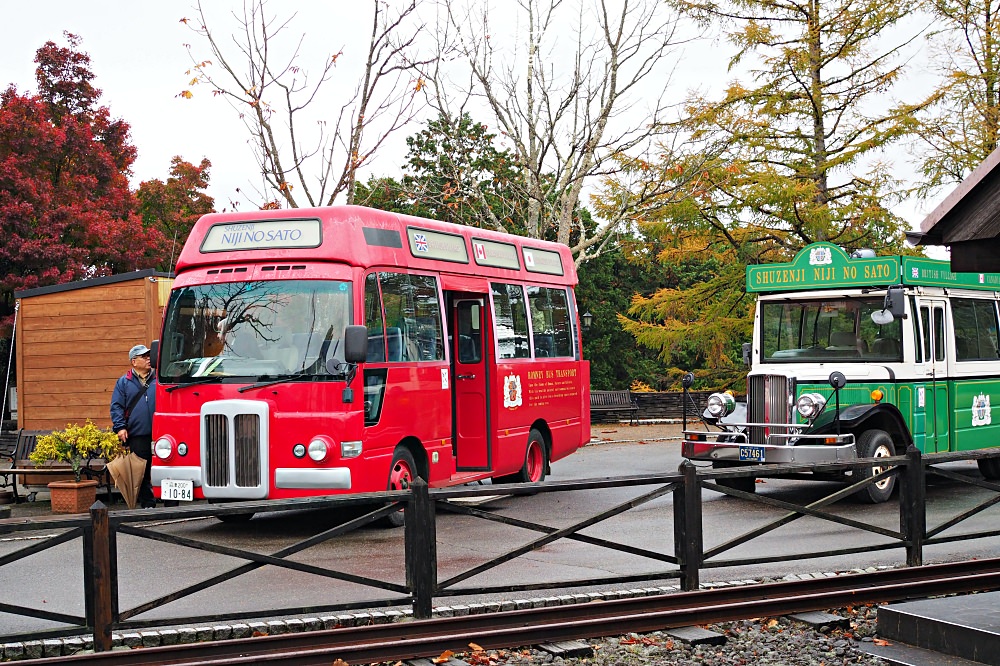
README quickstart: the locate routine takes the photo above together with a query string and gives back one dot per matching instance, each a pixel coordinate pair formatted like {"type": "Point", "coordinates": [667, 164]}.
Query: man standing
{"type": "Point", "coordinates": [132, 405]}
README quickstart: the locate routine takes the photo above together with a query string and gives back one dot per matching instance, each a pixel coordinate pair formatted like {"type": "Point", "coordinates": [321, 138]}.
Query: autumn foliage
{"type": "Point", "coordinates": [65, 204]}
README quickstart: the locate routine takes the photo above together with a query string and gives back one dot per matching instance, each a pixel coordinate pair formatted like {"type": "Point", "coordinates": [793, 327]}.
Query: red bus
{"type": "Point", "coordinates": [345, 349]}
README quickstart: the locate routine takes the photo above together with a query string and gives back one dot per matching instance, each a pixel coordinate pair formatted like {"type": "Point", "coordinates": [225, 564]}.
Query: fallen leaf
{"type": "Point", "coordinates": [445, 656]}
{"type": "Point", "coordinates": [340, 662]}
{"type": "Point", "coordinates": [771, 623]}
{"type": "Point", "coordinates": [880, 641]}
{"type": "Point", "coordinates": [475, 647]}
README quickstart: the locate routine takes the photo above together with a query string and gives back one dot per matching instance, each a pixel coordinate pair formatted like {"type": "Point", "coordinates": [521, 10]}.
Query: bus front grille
{"type": "Point", "coordinates": [217, 449]}
{"type": "Point", "coordinates": [234, 449]}
{"type": "Point", "coordinates": [247, 428]}
{"type": "Point", "coordinates": [767, 402]}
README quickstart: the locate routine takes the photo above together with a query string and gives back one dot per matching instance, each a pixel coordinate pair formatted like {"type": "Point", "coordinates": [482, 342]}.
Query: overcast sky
{"type": "Point", "coordinates": [139, 61]}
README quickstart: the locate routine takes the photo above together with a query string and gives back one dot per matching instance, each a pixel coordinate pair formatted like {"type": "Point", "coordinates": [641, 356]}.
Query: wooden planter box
{"type": "Point", "coordinates": [40, 481]}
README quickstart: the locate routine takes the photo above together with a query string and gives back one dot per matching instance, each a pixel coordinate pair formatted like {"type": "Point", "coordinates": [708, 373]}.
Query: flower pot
{"type": "Point", "coordinates": [72, 496]}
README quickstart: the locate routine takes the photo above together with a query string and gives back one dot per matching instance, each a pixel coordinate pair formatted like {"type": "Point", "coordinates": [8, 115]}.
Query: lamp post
{"type": "Point", "coordinates": [587, 320]}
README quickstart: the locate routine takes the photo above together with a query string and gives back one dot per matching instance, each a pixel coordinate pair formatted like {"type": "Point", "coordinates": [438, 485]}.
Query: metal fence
{"type": "Point", "coordinates": [99, 533]}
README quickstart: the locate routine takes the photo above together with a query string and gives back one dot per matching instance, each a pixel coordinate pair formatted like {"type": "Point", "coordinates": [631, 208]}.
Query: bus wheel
{"type": "Point", "coordinates": [535, 460]}
{"type": "Point", "coordinates": [747, 484]}
{"type": "Point", "coordinates": [989, 468]}
{"type": "Point", "coordinates": [875, 444]}
{"type": "Point", "coordinates": [401, 476]}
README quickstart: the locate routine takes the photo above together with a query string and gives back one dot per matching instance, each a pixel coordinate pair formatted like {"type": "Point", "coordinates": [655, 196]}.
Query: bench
{"type": "Point", "coordinates": [614, 402]}
{"type": "Point", "coordinates": [36, 478]}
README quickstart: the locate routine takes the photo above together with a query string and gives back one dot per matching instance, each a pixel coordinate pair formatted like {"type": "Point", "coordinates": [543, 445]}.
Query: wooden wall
{"type": "Point", "coordinates": [72, 346]}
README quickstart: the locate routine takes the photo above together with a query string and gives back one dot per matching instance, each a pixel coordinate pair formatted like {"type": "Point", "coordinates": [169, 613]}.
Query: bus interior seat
{"type": "Point", "coordinates": [886, 347]}
{"type": "Point", "coordinates": [843, 340]}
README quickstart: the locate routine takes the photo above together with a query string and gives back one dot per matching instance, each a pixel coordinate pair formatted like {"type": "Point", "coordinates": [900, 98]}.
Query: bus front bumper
{"type": "Point", "coordinates": [791, 449]}
{"type": "Point", "coordinates": [331, 478]}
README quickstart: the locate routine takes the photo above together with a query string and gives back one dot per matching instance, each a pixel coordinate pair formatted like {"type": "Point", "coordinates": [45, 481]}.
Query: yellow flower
{"type": "Point", "coordinates": [75, 444]}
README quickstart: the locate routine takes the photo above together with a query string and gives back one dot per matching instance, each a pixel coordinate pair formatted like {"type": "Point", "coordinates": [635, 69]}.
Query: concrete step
{"type": "Point", "coordinates": [966, 626]}
{"type": "Point", "coordinates": [900, 654]}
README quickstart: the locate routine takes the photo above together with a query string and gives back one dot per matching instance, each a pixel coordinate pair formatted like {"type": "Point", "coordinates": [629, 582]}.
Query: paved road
{"type": "Point", "coordinates": [147, 569]}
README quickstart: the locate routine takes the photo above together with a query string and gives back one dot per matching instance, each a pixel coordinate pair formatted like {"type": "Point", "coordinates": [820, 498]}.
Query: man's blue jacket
{"type": "Point", "coordinates": [140, 419]}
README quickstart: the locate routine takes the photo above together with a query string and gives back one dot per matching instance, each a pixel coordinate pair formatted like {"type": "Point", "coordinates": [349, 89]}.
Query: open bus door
{"type": "Point", "coordinates": [471, 347]}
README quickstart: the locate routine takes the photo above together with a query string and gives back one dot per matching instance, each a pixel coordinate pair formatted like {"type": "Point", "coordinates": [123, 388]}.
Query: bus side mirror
{"type": "Point", "coordinates": [747, 352]}
{"type": "Point", "coordinates": [355, 344]}
{"type": "Point", "coordinates": [895, 302]}
{"type": "Point", "coordinates": [154, 353]}
{"type": "Point", "coordinates": [893, 308]}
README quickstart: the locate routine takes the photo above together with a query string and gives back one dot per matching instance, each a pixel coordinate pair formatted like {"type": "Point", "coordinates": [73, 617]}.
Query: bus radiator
{"type": "Point", "coordinates": [234, 446]}
{"type": "Point", "coordinates": [768, 402]}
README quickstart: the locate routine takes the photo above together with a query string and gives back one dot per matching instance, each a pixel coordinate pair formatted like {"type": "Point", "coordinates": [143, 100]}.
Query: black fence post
{"type": "Point", "coordinates": [687, 526]}
{"type": "Point", "coordinates": [420, 533]}
{"type": "Point", "coordinates": [913, 507]}
{"type": "Point", "coordinates": [97, 576]}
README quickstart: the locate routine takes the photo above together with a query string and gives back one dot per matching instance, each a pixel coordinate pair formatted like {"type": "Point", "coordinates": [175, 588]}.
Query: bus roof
{"type": "Point", "coordinates": [364, 237]}
{"type": "Point", "coordinates": [827, 266]}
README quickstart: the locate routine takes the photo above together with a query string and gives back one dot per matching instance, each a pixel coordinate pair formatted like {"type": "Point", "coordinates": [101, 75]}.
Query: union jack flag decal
{"type": "Point", "coordinates": [420, 241]}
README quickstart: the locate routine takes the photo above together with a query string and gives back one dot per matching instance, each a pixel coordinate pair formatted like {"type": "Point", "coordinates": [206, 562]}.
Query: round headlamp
{"type": "Point", "coordinates": [809, 405]}
{"type": "Point", "coordinates": [164, 447]}
{"type": "Point", "coordinates": [318, 450]}
{"type": "Point", "coordinates": [721, 404]}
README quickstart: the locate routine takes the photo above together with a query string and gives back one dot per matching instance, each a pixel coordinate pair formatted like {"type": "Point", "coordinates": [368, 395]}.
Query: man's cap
{"type": "Point", "coordinates": [138, 350]}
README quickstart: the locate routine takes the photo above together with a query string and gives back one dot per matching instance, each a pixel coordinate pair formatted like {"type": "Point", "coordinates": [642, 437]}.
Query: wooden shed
{"type": "Point", "coordinates": [72, 343]}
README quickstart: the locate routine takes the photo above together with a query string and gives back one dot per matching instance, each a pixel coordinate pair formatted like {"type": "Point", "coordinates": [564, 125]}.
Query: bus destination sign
{"type": "Point", "coordinates": [262, 235]}
{"type": "Point", "coordinates": [823, 266]}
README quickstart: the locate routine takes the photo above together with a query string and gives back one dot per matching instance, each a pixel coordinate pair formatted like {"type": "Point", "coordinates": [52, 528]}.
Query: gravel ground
{"type": "Point", "coordinates": [752, 642]}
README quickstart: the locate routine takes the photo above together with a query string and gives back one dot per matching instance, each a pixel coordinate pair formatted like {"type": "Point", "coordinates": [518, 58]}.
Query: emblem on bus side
{"type": "Point", "coordinates": [820, 255]}
{"type": "Point", "coordinates": [981, 410]}
{"type": "Point", "coordinates": [512, 391]}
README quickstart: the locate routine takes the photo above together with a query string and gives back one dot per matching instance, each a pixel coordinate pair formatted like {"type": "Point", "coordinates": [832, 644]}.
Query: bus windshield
{"type": "Point", "coordinates": [264, 329]}
{"type": "Point", "coordinates": [796, 331]}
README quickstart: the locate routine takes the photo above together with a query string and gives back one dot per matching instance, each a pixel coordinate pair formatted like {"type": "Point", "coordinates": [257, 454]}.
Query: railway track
{"type": "Point", "coordinates": [427, 638]}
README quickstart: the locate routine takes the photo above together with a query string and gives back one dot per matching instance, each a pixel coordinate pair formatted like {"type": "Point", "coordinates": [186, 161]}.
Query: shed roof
{"type": "Point", "coordinates": [968, 220]}
{"type": "Point", "coordinates": [92, 282]}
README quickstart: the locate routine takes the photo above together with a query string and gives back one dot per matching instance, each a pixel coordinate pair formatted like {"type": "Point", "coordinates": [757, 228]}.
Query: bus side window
{"type": "Point", "coordinates": [918, 349]}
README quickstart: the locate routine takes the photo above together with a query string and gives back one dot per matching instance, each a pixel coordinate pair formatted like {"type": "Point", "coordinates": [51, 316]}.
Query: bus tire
{"type": "Point", "coordinates": [402, 473]}
{"type": "Point", "coordinates": [535, 462]}
{"type": "Point", "coordinates": [747, 484]}
{"type": "Point", "coordinates": [989, 468]}
{"type": "Point", "coordinates": [875, 444]}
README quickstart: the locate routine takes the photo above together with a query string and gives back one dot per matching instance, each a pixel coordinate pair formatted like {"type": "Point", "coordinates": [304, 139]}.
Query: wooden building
{"type": "Point", "coordinates": [72, 343]}
{"type": "Point", "coordinates": [968, 221]}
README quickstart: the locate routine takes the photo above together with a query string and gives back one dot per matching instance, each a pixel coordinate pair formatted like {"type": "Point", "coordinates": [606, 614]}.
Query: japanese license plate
{"type": "Point", "coordinates": [752, 453]}
{"type": "Point", "coordinates": [174, 489]}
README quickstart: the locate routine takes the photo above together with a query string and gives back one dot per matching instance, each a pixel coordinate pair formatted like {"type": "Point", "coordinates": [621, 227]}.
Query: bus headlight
{"type": "Point", "coordinates": [350, 449]}
{"type": "Point", "coordinates": [164, 447]}
{"type": "Point", "coordinates": [318, 450]}
{"type": "Point", "coordinates": [809, 405]}
{"type": "Point", "coordinates": [721, 404]}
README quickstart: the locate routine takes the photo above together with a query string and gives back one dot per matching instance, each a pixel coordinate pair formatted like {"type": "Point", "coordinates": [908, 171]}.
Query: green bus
{"type": "Point", "coordinates": [859, 357]}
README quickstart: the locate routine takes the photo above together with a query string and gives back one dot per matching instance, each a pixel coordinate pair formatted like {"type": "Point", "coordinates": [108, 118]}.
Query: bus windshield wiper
{"type": "Point", "coordinates": [198, 380]}
{"type": "Point", "coordinates": [274, 380]}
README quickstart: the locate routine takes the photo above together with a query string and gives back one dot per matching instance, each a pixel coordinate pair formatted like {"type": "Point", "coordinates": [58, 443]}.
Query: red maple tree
{"type": "Point", "coordinates": [175, 205]}
{"type": "Point", "coordinates": [66, 209]}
